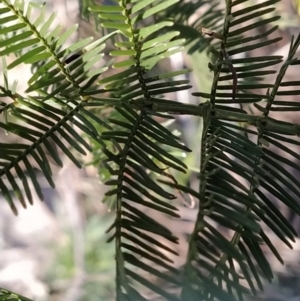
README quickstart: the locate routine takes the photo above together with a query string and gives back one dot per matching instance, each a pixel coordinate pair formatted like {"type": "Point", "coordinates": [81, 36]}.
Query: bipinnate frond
{"type": "Point", "coordinates": [239, 175]}
{"type": "Point", "coordinates": [240, 170]}
{"type": "Point", "coordinates": [137, 148]}
{"type": "Point", "coordinates": [51, 113]}
{"type": "Point", "coordinates": [37, 43]}
{"type": "Point", "coordinates": [41, 121]}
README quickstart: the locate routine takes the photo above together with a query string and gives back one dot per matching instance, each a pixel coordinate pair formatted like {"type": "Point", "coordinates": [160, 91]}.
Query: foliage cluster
{"type": "Point", "coordinates": [240, 170]}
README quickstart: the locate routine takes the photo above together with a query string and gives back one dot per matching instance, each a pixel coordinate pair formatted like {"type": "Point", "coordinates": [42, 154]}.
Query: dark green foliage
{"type": "Point", "coordinates": [64, 96]}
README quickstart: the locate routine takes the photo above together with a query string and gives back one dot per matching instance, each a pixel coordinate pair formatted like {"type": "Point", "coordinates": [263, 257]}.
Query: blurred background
{"type": "Point", "coordinates": [57, 250]}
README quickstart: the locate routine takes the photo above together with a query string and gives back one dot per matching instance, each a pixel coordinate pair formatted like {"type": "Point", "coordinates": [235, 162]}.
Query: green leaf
{"type": "Point", "coordinates": [8, 198]}
{"type": "Point", "coordinates": [30, 55]}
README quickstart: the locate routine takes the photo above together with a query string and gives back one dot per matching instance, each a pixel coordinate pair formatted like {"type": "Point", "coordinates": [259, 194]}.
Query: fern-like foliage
{"type": "Point", "coordinates": [239, 168]}
{"type": "Point", "coordinates": [51, 112]}
{"type": "Point", "coordinates": [214, 264]}
{"type": "Point", "coordinates": [8, 295]}
{"type": "Point", "coordinates": [190, 17]}
{"type": "Point", "coordinates": [140, 143]}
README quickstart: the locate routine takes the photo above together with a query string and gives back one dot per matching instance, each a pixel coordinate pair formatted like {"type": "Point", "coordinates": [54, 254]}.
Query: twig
{"type": "Point", "coordinates": [231, 68]}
